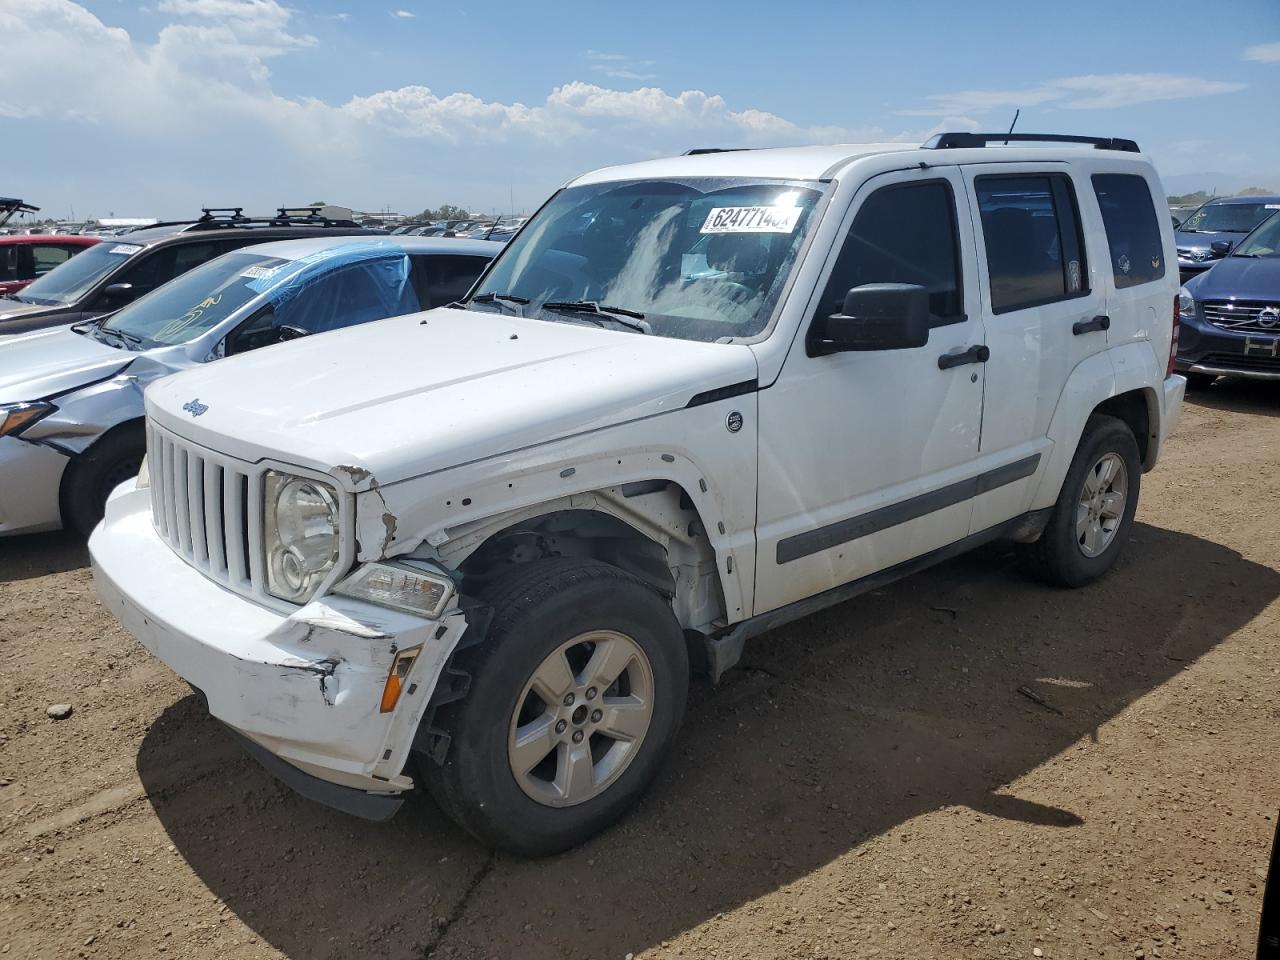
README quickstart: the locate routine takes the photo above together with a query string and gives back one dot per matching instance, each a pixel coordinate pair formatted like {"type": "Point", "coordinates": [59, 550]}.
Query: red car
{"type": "Point", "coordinates": [26, 258]}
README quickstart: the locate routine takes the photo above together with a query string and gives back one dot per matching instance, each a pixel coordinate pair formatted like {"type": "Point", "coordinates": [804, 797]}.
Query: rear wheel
{"type": "Point", "coordinates": [575, 698]}
{"type": "Point", "coordinates": [1091, 520]}
{"type": "Point", "coordinates": [91, 477]}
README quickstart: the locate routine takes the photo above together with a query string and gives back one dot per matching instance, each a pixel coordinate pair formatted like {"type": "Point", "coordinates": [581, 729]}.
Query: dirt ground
{"type": "Point", "coordinates": [870, 784]}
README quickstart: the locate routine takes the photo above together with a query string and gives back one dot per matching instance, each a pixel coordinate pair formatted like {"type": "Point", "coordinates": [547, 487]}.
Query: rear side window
{"type": "Point", "coordinates": [905, 233]}
{"type": "Point", "coordinates": [1035, 253]}
{"type": "Point", "coordinates": [1133, 232]}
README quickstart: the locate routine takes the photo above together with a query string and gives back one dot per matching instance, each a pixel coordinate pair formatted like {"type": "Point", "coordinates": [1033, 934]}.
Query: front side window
{"type": "Point", "coordinates": [349, 295]}
{"type": "Point", "coordinates": [905, 233]}
{"type": "Point", "coordinates": [1133, 232]}
{"type": "Point", "coordinates": [1035, 253]}
{"type": "Point", "coordinates": [71, 281]}
{"type": "Point", "coordinates": [694, 259]}
{"type": "Point", "coordinates": [9, 263]}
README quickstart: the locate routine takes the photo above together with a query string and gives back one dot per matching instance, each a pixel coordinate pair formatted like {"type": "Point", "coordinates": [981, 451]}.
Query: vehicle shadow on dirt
{"type": "Point", "coordinates": [40, 554]}
{"type": "Point", "coordinates": [837, 729]}
{"type": "Point", "coordinates": [1238, 396]}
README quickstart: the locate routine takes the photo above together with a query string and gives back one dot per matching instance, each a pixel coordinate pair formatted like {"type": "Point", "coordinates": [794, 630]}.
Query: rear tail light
{"type": "Point", "coordinates": [1173, 340]}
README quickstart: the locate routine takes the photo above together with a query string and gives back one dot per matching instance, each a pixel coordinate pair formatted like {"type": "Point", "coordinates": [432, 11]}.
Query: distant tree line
{"type": "Point", "coordinates": [1187, 199]}
{"type": "Point", "coordinates": [445, 212]}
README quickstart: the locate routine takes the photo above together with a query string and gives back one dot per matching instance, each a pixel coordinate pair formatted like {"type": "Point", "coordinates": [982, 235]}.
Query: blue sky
{"type": "Point", "coordinates": [157, 107]}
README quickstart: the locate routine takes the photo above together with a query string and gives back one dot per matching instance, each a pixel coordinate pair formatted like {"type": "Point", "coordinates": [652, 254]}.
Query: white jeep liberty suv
{"type": "Point", "coordinates": [692, 399]}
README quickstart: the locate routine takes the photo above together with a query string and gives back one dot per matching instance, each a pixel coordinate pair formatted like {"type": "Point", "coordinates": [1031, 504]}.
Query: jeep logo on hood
{"type": "Point", "coordinates": [195, 407]}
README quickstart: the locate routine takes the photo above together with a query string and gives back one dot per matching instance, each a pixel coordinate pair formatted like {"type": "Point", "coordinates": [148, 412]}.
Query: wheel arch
{"type": "Point", "coordinates": [70, 474]}
{"type": "Point", "coordinates": [652, 529]}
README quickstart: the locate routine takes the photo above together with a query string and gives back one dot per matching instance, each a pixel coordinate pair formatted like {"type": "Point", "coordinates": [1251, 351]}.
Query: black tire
{"type": "Point", "coordinates": [535, 611]}
{"type": "Point", "coordinates": [94, 474]}
{"type": "Point", "coordinates": [1057, 557]}
{"type": "Point", "coordinates": [1199, 381]}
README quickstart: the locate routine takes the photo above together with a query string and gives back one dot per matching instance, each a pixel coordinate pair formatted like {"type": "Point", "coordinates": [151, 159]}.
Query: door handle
{"type": "Point", "coordinates": [1100, 322]}
{"type": "Point", "coordinates": [979, 354]}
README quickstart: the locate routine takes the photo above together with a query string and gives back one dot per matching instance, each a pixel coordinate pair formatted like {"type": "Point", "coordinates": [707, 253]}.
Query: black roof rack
{"type": "Point", "coordinates": [699, 151]}
{"type": "Point", "coordinates": [953, 141]}
{"type": "Point", "coordinates": [10, 206]}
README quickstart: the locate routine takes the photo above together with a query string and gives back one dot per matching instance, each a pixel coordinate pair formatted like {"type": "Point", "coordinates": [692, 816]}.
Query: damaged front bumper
{"type": "Point", "coordinates": [30, 478]}
{"type": "Point", "coordinates": [304, 688]}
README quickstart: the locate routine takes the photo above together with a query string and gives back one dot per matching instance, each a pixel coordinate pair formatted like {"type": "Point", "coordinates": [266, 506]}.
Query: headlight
{"type": "Point", "coordinates": [1186, 303]}
{"type": "Point", "coordinates": [16, 417]}
{"type": "Point", "coordinates": [302, 536]}
{"type": "Point", "coordinates": [399, 587]}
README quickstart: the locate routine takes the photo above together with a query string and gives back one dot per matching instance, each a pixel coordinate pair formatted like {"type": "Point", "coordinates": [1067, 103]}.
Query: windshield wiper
{"type": "Point", "coordinates": [498, 298]}
{"type": "Point", "coordinates": [618, 315]}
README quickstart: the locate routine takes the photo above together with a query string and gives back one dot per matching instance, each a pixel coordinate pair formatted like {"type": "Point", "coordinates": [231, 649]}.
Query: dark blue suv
{"type": "Point", "coordinates": [1208, 235]}
{"type": "Point", "coordinates": [1231, 314]}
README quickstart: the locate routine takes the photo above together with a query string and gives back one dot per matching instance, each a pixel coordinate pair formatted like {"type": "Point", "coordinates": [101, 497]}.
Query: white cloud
{"type": "Point", "coordinates": [1091, 92]}
{"type": "Point", "coordinates": [1263, 52]}
{"type": "Point", "coordinates": [619, 66]}
{"type": "Point", "coordinates": [404, 14]}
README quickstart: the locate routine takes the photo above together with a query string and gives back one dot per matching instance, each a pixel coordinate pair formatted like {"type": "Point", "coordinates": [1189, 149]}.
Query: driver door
{"type": "Point", "coordinates": [867, 459]}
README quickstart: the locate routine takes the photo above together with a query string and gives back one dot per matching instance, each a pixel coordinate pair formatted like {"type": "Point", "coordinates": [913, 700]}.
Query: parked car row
{"type": "Point", "coordinates": [482, 548]}
{"type": "Point", "coordinates": [71, 404]}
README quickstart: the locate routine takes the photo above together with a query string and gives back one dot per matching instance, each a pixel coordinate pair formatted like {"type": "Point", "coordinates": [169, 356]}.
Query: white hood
{"type": "Point", "coordinates": [420, 393]}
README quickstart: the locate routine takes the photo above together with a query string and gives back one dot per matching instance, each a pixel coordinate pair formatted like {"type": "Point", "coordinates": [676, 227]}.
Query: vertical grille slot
{"type": "Point", "coordinates": [208, 508]}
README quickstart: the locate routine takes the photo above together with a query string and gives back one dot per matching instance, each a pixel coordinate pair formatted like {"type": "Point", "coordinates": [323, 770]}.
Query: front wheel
{"type": "Point", "coordinates": [1091, 520]}
{"type": "Point", "coordinates": [575, 697]}
{"type": "Point", "coordinates": [99, 470]}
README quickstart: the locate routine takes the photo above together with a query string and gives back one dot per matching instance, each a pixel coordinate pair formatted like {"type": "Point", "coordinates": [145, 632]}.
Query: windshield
{"type": "Point", "coordinates": [696, 259]}
{"type": "Point", "coordinates": [197, 301]}
{"type": "Point", "coordinates": [1263, 242]}
{"type": "Point", "coordinates": [1229, 217]}
{"type": "Point", "coordinates": [68, 282]}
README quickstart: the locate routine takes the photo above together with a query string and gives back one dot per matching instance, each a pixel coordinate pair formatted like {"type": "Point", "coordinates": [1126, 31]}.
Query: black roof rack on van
{"type": "Point", "coordinates": [699, 151]}
{"type": "Point", "coordinates": [954, 141]}
{"type": "Point", "coordinates": [228, 218]}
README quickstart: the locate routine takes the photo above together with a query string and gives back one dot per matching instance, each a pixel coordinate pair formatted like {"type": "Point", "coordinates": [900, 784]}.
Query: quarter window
{"type": "Point", "coordinates": [1133, 233]}
{"type": "Point", "coordinates": [905, 233]}
{"type": "Point", "coordinates": [1035, 253]}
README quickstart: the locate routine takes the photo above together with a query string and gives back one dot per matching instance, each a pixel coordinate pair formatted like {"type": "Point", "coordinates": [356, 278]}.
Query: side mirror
{"type": "Point", "coordinates": [875, 316]}
{"type": "Point", "coordinates": [285, 332]}
{"type": "Point", "coordinates": [1220, 248]}
{"type": "Point", "coordinates": [118, 294]}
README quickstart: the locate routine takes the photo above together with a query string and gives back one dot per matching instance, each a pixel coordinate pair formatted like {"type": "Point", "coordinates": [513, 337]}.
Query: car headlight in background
{"type": "Point", "coordinates": [1186, 303]}
{"type": "Point", "coordinates": [399, 587]}
{"type": "Point", "coordinates": [302, 537]}
{"type": "Point", "coordinates": [16, 417]}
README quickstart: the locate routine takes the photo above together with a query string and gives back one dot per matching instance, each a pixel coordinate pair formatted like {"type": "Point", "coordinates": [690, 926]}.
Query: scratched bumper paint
{"type": "Point", "coordinates": [305, 686]}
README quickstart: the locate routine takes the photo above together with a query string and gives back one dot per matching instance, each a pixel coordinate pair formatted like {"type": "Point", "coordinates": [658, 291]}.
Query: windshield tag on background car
{"type": "Point", "coordinates": [259, 272]}
{"type": "Point", "coordinates": [752, 220]}
{"type": "Point", "coordinates": [126, 249]}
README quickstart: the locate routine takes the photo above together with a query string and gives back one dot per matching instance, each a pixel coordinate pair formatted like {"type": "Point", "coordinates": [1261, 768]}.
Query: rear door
{"type": "Point", "coordinates": [1042, 304]}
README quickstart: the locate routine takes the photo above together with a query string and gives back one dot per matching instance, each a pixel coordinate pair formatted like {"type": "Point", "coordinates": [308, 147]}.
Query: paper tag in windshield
{"type": "Point", "coordinates": [259, 273]}
{"type": "Point", "coordinates": [124, 249]}
{"type": "Point", "coordinates": [1273, 206]}
{"type": "Point", "coordinates": [752, 220]}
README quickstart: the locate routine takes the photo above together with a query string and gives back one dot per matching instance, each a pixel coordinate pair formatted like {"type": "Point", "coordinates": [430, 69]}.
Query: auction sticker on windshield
{"type": "Point", "coordinates": [260, 272]}
{"type": "Point", "coordinates": [752, 220]}
{"type": "Point", "coordinates": [124, 248]}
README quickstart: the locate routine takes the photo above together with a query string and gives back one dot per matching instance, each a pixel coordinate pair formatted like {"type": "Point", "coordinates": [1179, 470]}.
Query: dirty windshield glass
{"type": "Point", "coordinates": [195, 302]}
{"type": "Point", "coordinates": [1228, 217]}
{"type": "Point", "coordinates": [695, 259]}
{"type": "Point", "coordinates": [69, 281]}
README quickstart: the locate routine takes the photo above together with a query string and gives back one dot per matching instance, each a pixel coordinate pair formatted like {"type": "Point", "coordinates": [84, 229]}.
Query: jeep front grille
{"type": "Point", "coordinates": [208, 507]}
{"type": "Point", "coordinates": [1243, 315]}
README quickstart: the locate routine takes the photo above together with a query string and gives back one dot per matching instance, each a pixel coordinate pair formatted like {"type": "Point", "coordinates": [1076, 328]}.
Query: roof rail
{"type": "Point", "coordinates": [228, 213]}
{"type": "Point", "coordinates": [953, 141]}
{"type": "Point", "coordinates": [699, 151]}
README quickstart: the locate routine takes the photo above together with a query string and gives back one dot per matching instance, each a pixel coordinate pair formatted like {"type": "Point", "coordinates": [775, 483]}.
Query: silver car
{"type": "Point", "coordinates": [71, 407]}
